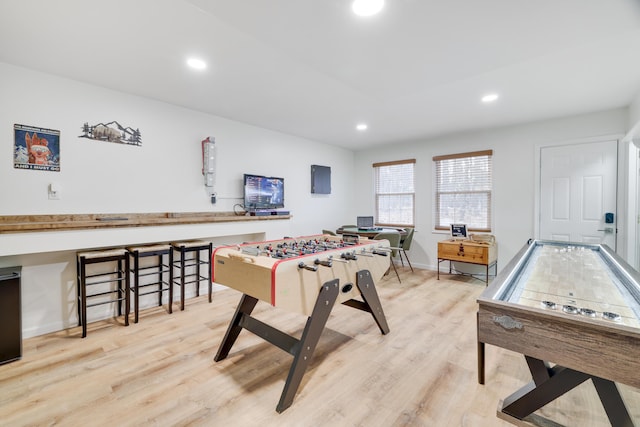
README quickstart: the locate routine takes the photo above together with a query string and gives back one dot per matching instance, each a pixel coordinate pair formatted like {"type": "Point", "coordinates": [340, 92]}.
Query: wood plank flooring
{"type": "Point", "coordinates": [160, 372]}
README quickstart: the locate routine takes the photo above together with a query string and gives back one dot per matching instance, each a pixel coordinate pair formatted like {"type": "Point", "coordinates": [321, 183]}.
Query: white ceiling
{"type": "Point", "coordinates": [313, 69]}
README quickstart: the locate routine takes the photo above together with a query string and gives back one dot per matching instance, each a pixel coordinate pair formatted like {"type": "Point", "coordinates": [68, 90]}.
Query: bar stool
{"type": "Point", "coordinates": [182, 262]}
{"type": "Point", "coordinates": [156, 285]}
{"type": "Point", "coordinates": [102, 294]}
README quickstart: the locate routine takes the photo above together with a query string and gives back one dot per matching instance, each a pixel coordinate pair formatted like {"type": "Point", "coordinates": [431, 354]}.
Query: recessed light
{"type": "Point", "coordinates": [490, 97]}
{"type": "Point", "coordinates": [197, 64]}
{"type": "Point", "coordinates": [362, 126]}
{"type": "Point", "coordinates": [367, 7]}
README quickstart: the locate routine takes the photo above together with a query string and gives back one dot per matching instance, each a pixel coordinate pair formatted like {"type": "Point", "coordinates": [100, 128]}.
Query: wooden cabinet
{"type": "Point", "coordinates": [469, 252]}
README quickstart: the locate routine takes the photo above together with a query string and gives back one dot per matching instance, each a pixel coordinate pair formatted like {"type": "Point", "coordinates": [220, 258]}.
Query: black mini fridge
{"type": "Point", "coordinates": [10, 315]}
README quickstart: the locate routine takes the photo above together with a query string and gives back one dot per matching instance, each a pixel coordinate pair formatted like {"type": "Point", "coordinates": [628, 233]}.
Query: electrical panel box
{"type": "Point", "coordinates": [320, 179]}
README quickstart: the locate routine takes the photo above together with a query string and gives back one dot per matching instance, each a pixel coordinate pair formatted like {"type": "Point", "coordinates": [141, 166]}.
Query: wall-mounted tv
{"type": "Point", "coordinates": [263, 192]}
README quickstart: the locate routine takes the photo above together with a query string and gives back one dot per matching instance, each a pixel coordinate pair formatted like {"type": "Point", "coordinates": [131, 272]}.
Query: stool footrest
{"type": "Point", "coordinates": [110, 273]}
{"type": "Point", "coordinates": [143, 272]}
{"type": "Point", "coordinates": [198, 279]}
{"type": "Point", "coordinates": [153, 292]}
{"type": "Point", "coordinates": [186, 265]}
{"type": "Point", "coordinates": [94, 304]}
{"type": "Point", "coordinates": [120, 279]}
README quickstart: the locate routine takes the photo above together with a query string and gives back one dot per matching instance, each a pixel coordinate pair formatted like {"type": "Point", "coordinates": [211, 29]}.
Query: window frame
{"type": "Point", "coordinates": [411, 193]}
{"type": "Point", "coordinates": [437, 225]}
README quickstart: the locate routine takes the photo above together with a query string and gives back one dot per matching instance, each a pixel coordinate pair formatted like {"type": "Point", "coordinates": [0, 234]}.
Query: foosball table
{"type": "Point", "coordinates": [307, 275]}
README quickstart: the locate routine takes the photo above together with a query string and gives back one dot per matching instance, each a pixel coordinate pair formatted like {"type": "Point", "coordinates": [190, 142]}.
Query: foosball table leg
{"type": "Point", "coordinates": [245, 307]}
{"type": "Point", "coordinates": [371, 299]}
{"type": "Point", "coordinates": [302, 349]}
{"type": "Point", "coordinates": [307, 344]}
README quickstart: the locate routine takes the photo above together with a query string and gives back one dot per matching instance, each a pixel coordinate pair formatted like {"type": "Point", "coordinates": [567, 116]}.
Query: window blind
{"type": "Point", "coordinates": [463, 190]}
{"type": "Point", "coordinates": [395, 192]}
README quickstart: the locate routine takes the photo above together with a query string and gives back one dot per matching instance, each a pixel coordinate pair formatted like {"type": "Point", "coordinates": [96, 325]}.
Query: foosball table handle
{"type": "Point", "coordinates": [243, 258]}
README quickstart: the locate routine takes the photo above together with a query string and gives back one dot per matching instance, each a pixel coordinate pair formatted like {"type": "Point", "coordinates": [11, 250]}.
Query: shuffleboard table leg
{"type": "Point", "coordinates": [245, 307]}
{"type": "Point", "coordinates": [550, 383]}
{"type": "Point", "coordinates": [540, 370]}
{"type": "Point", "coordinates": [612, 402]}
{"type": "Point", "coordinates": [307, 344]}
{"type": "Point", "coordinates": [534, 396]}
{"type": "Point", "coordinates": [480, 351]}
{"type": "Point", "coordinates": [480, 362]}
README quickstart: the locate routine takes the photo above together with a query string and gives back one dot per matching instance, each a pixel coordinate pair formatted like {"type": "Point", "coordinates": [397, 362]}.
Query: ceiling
{"type": "Point", "coordinates": [312, 68]}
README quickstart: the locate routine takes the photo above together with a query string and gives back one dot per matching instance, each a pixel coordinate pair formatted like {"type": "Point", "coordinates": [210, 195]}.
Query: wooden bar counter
{"type": "Point", "coordinates": [32, 234]}
{"type": "Point", "coordinates": [32, 223]}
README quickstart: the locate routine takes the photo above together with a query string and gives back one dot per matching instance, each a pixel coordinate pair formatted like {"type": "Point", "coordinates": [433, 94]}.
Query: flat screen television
{"type": "Point", "coordinates": [263, 192]}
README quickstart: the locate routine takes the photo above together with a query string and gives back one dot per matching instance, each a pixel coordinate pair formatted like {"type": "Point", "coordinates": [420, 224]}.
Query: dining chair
{"type": "Point", "coordinates": [394, 246]}
{"type": "Point", "coordinates": [405, 244]}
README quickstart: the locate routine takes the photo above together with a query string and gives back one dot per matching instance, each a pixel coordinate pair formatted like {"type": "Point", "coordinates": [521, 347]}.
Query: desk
{"type": "Point", "coordinates": [469, 252]}
{"type": "Point", "coordinates": [370, 233]}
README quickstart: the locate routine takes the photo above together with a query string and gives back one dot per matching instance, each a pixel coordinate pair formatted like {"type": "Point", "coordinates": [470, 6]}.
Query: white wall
{"type": "Point", "coordinates": [634, 112]}
{"type": "Point", "coordinates": [632, 140]}
{"type": "Point", "coordinates": [514, 151]}
{"type": "Point", "coordinates": [163, 175]}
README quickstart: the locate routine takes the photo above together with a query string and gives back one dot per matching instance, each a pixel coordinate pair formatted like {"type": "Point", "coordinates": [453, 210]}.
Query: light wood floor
{"type": "Point", "coordinates": [161, 372]}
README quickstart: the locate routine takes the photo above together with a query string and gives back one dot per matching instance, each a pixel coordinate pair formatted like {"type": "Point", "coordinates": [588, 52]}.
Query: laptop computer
{"type": "Point", "coordinates": [365, 223]}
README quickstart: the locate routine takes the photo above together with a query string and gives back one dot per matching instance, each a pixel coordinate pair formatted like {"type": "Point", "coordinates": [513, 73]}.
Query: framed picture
{"type": "Point", "coordinates": [459, 231]}
{"type": "Point", "coordinates": [36, 148]}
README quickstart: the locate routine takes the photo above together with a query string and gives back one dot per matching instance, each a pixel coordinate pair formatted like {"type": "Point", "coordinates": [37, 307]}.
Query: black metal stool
{"type": "Point", "coordinates": [182, 262]}
{"type": "Point", "coordinates": [103, 294]}
{"type": "Point", "coordinates": [156, 285]}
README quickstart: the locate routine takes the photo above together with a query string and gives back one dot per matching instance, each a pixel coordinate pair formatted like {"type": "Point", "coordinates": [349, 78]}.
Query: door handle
{"type": "Point", "coordinates": [607, 230]}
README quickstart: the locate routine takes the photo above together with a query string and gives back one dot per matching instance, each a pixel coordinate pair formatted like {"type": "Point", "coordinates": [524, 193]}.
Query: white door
{"type": "Point", "coordinates": [578, 193]}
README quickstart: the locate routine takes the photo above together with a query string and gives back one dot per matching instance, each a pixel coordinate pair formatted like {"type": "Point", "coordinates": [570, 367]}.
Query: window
{"type": "Point", "coordinates": [395, 192]}
{"type": "Point", "coordinates": [463, 190]}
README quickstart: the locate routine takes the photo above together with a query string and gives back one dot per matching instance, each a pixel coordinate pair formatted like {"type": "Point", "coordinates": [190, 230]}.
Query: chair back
{"type": "Point", "coordinates": [393, 238]}
{"type": "Point", "coordinates": [406, 242]}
